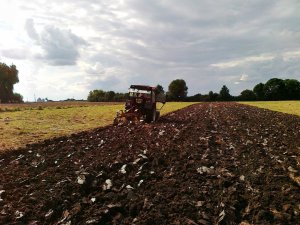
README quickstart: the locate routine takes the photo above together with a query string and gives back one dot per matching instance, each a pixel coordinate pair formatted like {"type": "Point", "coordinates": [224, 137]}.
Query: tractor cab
{"type": "Point", "coordinates": [141, 97]}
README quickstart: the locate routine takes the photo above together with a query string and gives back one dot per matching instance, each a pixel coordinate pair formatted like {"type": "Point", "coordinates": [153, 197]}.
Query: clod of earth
{"type": "Point", "coordinates": [1, 191]}
{"type": "Point", "coordinates": [107, 185]}
{"type": "Point", "coordinates": [122, 170]}
{"type": "Point", "coordinates": [212, 163]}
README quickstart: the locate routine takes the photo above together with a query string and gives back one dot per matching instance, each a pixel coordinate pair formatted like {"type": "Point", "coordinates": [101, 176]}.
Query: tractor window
{"type": "Point", "coordinates": [132, 94]}
{"type": "Point", "coordinates": [139, 93]}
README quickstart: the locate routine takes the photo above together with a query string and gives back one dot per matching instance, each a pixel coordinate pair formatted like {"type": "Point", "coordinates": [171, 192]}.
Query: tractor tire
{"type": "Point", "coordinates": [151, 116]}
{"type": "Point", "coordinates": [157, 115]}
{"type": "Point", "coordinates": [154, 118]}
{"type": "Point", "coordinates": [148, 117]}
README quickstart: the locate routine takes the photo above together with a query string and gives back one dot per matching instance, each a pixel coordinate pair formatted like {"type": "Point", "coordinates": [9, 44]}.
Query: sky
{"type": "Point", "coordinates": [66, 48]}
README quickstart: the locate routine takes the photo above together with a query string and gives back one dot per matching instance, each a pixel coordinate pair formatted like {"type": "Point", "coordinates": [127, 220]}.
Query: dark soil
{"type": "Point", "coordinates": [220, 163]}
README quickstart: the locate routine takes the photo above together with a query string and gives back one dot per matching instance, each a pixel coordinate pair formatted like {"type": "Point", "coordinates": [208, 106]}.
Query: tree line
{"type": "Point", "coordinates": [274, 89]}
{"type": "Point", "coordinates": [177, 91]}
{"type": "Point", "coordinates": [8, 78]}
{"type": "Point", "coordinates": [106, 96]}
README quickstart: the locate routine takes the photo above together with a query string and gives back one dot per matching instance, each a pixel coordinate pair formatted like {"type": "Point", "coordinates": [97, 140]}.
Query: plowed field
{"type": "Point", "coordinates": [213, 163]}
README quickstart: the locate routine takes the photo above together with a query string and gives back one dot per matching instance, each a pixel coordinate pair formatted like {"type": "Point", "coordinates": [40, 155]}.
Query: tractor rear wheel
{"type": "Point", "coordinates": [151, 116]}
{"type": "Point", "coordinates": [157, 115]}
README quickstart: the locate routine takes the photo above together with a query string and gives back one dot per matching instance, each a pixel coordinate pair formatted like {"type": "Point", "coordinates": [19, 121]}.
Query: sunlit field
{"type": "Point", "coordinates": [29, 123]}
{"type": "Point", "coordinates": [290, 107]}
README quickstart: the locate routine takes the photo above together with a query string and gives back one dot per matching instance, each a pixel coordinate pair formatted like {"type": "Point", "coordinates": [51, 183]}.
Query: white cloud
{"type": "Point", "coordinates": [244, 77]}
{"type": "Point", "coordinates": [239, 62]}
{"type": "Point", "coordinates": [29, 27]}
{"type": "Point", "coordinates": [60, 47]}
{"type": "Point", "coordinates": [15, 53]}
{"type": "Point", "coordinates": [291, 55]}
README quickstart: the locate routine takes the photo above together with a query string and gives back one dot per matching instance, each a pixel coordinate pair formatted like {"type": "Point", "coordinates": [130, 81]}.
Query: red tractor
{"type": "Point", "coordinates": [141, 105]}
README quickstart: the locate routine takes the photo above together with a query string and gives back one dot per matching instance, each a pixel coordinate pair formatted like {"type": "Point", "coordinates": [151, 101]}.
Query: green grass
{"type": "Point", "coordinates": [290, 107]}
{"type": "Point", "coordinates": [21, 127]}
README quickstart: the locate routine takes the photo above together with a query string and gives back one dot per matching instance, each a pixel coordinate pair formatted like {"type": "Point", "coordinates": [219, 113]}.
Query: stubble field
{"type": "Point", "coordinates": [290, 107]}
{"type": "Point", "coordinates": [22, 124]}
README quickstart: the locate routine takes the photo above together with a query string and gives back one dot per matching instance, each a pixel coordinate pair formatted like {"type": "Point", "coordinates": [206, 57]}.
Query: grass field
{"type": "Point", "coordinates": [28, 123]}
{"type": "Point", "coordinates": [290, 107]}
{"type": "Point", "coordinates": [43, 105]}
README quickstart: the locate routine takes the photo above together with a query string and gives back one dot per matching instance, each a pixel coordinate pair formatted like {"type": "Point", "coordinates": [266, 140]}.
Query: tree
{"type": "Point", "coordinates": [212, 96]}
{"type": "Point", "coordinates": [259, 91]}
{"type": "Point", "coordinates": [224, 94]}
{"type": "Point", "coordinates": [275, 89]}
{"type": "Point", "coordinates": [8, 77]}
{"type": "Point", "coordinates": [17, 98]}
{"type": "Point", "coordinates": [109, 96]}
{"type": "Point", "coordinates": [292, 89]}
{"type": "Point", "coordinates": [177, 90]}
{"type": "Point", "coordinates": [159, 89]}
{"type": "Point", "coordinates": [120, 97]}
{"type": "Point", "coordinates": [96, 96]}
{"type": "Point", "coordinates": [194, 98]}
{"type": "Point", "coordinates": [247, 95]}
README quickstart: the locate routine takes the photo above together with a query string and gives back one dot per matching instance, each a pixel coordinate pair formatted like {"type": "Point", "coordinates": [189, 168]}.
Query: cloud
{"type": "Point", "coordinates": [30, 29]}
{"type": "Point", "coordinates": [244, 77]}
{"type": "Point", "coordinates": [96, 69]}
{"type": "Point", "coordinates": [15, 53]}
{"type": "Point", "coordinates": [60, 47]}
{"type": "Point", "coordinates": [239, 62]}
{"type": "Point", "coordinates": [113, 43]}
{"type": "Point", "coordinates": [287, 56]}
